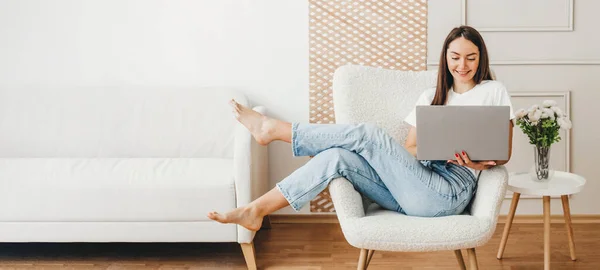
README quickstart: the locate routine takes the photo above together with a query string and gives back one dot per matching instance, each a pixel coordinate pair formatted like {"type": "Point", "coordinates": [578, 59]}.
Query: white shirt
{"type": "Point", "coordinates": [487, 93]}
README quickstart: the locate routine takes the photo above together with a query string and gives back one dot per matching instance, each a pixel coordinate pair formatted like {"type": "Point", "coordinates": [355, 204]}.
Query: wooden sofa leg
{"type": "Point", "coordinates": [472, 259]}
{"type": "Point", "coordinates": [249, 255]}
{"type": "Point", "coordinates": [459, 258]}
{"type": "Point", "coordinates": [362, 259]}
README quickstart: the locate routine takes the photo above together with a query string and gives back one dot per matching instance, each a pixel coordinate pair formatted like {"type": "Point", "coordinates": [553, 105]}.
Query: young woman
{"type": "Point", "coordinates": [378, 167]}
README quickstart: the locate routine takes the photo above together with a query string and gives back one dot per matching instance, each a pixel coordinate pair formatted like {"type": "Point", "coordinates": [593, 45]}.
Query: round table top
{"type": "Point", "coordinates": [563, 183]}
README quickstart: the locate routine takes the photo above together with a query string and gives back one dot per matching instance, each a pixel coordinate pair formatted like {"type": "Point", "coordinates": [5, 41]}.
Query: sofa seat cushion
{"type": "Point", "coordinates": [114, 189]}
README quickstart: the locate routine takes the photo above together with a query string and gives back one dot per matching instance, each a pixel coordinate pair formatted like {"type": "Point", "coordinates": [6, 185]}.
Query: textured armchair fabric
{"type": "Point", "coordinates": [385, 97]}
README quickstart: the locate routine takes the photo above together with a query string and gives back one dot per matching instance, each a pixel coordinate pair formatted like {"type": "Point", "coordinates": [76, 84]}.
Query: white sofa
{"type": "Point", "coordinates": [125, 165]}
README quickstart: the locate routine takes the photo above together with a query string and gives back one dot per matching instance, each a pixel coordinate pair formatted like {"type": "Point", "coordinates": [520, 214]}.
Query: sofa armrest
{"type": "Point", "coordinates": [251, 172]}
{"type": "Point", "coordinates": [491, 189]}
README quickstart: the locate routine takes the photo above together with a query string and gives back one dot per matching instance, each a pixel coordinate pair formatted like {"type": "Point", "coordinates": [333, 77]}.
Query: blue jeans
{"type": "Point", "coordinates": [379, 168]}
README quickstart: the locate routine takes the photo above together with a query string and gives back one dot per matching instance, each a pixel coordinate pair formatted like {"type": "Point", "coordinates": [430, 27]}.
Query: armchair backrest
{"type": "Point", "coordinates": [380, 96]}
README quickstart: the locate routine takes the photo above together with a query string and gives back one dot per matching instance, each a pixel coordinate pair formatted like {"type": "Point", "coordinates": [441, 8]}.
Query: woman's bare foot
{"type": "Point", "coordinates": [262, 128]}
{"type": "Point", "coordinates": [243, 216]}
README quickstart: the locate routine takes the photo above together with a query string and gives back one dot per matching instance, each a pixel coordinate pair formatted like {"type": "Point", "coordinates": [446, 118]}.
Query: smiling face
{"type": "Point", "coordinates": [462, 57]}
{"type": "Point", "coordinates": [464, 63]}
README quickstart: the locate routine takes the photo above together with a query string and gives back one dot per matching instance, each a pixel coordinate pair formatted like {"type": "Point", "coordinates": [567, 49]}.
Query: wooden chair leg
{"type": "Point", "coordinates": [472, 259]}
{"type": "Point", "coordinates": [567, 212]}
{"type": "Point", "coordinates": [362, 259]}
{"type": "Point", "coordinates": [369, 256]}
{"type": "Point", "coordinates": [459, 258]}
{"type": "Point", "coordinates": [249, 255]}
{"type": "Point", "coordinates": [508, 224]}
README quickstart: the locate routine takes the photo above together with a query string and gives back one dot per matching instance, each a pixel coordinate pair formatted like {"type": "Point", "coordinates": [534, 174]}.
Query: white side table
{"type": "Point", "coordinates": [562, 184]}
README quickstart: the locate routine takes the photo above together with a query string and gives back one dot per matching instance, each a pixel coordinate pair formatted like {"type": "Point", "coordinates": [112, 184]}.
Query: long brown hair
{"type": "Point", "coordinates": [445, 79]}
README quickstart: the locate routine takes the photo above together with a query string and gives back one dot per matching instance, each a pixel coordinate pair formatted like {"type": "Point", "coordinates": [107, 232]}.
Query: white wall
{"type": "Point", "coordinates": [261, 47]}
{"type": "Point", "coordinates": [540, 62]}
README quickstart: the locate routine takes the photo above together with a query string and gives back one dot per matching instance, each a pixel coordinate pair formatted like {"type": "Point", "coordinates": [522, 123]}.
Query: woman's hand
{"type": "Point", "coordinates": [463, 160]}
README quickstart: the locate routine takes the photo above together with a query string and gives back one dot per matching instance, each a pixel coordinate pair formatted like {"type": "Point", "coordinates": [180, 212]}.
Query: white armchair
{"type": "Point", "coordinates": [385, 97]}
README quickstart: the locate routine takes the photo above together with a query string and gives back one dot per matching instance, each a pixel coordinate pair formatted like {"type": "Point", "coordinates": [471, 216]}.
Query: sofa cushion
{"type": "Point", "coordinates": [114, 189]}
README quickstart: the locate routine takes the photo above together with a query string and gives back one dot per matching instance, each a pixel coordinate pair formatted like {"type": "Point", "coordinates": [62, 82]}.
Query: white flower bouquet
{"type": "Point", "coordinates": [542, 124]}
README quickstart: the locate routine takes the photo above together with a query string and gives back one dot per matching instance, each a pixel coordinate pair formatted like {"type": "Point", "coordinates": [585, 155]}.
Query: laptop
{"type": "Point", "coordinates": [481, 131]}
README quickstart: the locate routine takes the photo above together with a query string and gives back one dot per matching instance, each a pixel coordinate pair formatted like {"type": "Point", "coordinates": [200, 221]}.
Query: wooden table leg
{"type": "Point", "coordinates": [508, 224]}
{"type": "Point", "coordinates": [567, 212]}
{"type": "Point", "coordinates": [546, 232]}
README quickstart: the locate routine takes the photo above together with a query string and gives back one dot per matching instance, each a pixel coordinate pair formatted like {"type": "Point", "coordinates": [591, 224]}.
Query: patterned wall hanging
{"type": "Point", "coordinates": [390, 34]}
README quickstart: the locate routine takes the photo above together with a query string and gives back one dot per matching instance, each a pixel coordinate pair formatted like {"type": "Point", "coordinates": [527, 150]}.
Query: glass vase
{"type": "Point", "coordinates": [541, 164]}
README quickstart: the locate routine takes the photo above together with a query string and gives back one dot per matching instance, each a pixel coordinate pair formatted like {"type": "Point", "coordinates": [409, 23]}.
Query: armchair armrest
{"type": "Point", "coordinates": [491, 189]}
{"type": "Point", "coordinates": [347, 201]}
{"type": "Point", "coordinates": [251, 172]}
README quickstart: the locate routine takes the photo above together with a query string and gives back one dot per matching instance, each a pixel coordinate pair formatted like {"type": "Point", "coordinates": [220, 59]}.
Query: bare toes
{"type": "Point", "coordinates": [213, 215]}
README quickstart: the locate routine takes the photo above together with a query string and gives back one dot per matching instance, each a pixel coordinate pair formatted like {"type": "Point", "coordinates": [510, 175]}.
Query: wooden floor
{"type": "Point", "coordinates": [306, 246]}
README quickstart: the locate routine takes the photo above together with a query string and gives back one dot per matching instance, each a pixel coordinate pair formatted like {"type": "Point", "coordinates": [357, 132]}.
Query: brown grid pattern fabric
{"type": "Point", "coordinates": [390, 34]}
